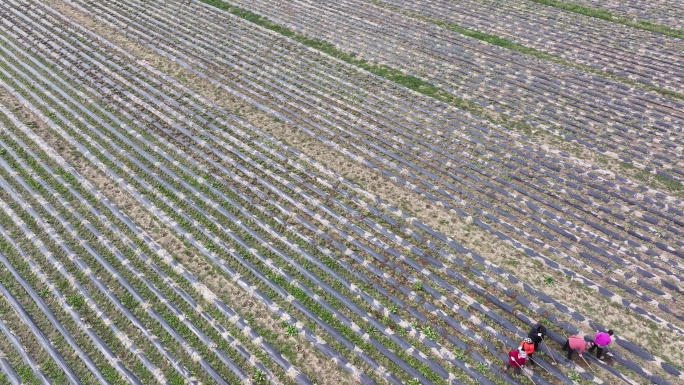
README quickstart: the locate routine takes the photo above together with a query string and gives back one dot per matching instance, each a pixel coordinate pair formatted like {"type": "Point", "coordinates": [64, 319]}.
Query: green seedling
{"type": "Point", "coordinates": [259, 377]}
{"type": "Point", "coordinates": [417, 286]}
{"type": "Point", "coordinates": [75, 300]}
{"type": "Point", "coordinates": [430, 333]}
{"type": "Point", "coordinates": [548, 280]}
{"type": "Point", "coordinates": [44, 292]}
{"type": "Point", "coordinates": [546, 322]}
{"type": "Point", "coordinates": [291, 330]}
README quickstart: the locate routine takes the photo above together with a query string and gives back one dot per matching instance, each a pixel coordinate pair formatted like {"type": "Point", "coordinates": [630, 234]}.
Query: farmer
{"type": "Point", "coordinates": [528, 346]}
{"type": "Point", "coordinates": [537, 335]}
{"type": "Point", "coordinates": [516, 360]}
{"type": "Point", "coordinates": [601, 340]}
{"type": "Point", "coordinates": [576, 343]}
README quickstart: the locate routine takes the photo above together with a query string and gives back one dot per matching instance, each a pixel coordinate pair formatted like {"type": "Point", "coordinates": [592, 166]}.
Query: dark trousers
{"type": "Point", "coordinates": [599, 351]}
{"type": "Point", "coordinates": [516, 368]}
{"type": "Point", "coordinates": [567, 347]}
{"type": "Point", "coordinates": [536, 347]}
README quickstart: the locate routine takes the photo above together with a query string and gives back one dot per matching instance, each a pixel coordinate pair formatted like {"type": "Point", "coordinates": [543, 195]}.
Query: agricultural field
{"type": "Point", "coordinates": [340, 192]}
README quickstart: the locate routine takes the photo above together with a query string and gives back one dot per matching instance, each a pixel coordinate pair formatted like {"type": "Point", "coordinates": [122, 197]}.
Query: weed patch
{"type": "Point", "coordinates": [659, 181]}
{"type": "Point", "coordinates": [606, 15]}
{"type": "Point", "coordinates": [409, 81]}
{"type": "Point", "coordinates": [76, 301]}
{"type": "Point", "coordinates": [505, 43]}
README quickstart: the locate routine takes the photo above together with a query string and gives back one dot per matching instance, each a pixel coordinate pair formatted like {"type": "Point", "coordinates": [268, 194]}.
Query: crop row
{"type": "Point", "coordinates": [647, 12]}
{"type": "Point", "coordinates": [226, 310]}
{"type": "Point", "coordinates": [618, 49]}
{"type": "Point", "coordinates": [595, 225]}
{"type": "Point", "coordinates": [170, 305]}
{"type": "Point", "coordinates": [548, 96]}
{"type": "Point", "coordinates": [232, 316]}
{"type": "Point", "coordinates": [138, 318]}
{"type": "Point", "coordinates": [178, 288]}
{"type": "Point", "coordinates": [27, 369]}
{"type": "Point", "coordinates": [10, 375]}
{"type": "Point", "coordinates": [319, 126]}
{"type": "Point", "coordinates": [165, 123]}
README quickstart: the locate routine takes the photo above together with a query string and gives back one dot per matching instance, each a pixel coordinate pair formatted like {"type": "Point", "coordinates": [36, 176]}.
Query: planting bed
{"type": "Point", "coordinates": [667, 13]}
{"type": "Point", "coordinates": [189, 195]}
{"type": "Point", "coordinates": [600, 44]}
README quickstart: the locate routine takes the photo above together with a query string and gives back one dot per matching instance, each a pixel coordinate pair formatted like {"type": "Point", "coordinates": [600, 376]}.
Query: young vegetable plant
{"type": "Point", "coordinates": [430, 333]}
{"type": "Point", "coordinates": [259, 377]}
{"type": "Point", "coordinates": [291, 330]}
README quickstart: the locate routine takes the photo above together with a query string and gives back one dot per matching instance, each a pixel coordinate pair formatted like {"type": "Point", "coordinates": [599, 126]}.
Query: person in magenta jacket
{"type": "Point", "coordinates": [601, 340]}
{"type": "Point", "coordinates": [576, 343]}
{"type": "Point", "coordinates": [516, 360]}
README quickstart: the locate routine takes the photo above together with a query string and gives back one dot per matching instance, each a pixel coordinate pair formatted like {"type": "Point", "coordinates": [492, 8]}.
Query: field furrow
{"type": "Point", "coordinates": [351, 192]}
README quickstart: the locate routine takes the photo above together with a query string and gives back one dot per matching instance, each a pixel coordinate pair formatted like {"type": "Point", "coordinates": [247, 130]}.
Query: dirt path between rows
{"type": "Point", "coordinates": [626, 324]}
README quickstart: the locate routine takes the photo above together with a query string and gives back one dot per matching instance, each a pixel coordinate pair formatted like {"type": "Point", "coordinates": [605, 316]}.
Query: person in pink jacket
{"type": "Point", "coordinates": [601, 340]}
{"type": "Point", "coordinates": [576, 343]}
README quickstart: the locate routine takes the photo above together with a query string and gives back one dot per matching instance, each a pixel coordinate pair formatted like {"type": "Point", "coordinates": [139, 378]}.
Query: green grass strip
{"type": "Point", "coordinates": [426, 88]}
{"type": "Point", "coordinates": [505, 43]}
{"type": "Point", "coordinates": [607, 15]}
{"type": "Point", "coordinates": [409, 81]}
{"type": "Point", "coordinates": [655, 180]}
{"type": "Point", "coordinates": [26, 375]}
{"type": "Point", "coordinates": [386, 72]}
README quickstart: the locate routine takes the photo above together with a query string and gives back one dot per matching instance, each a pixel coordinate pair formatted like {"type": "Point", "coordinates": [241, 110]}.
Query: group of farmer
{"type": "Point", "coordinates": [521, 356]}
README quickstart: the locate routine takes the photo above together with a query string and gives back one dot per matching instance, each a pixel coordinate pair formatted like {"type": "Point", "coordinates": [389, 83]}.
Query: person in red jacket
{"type": "Point", "coordinates": [528, 346]}
{"type": "Point", "coordinates": [516, 360]}
{"type": "Point", "coordinates": [576, 343]}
